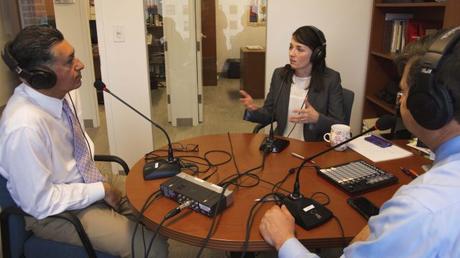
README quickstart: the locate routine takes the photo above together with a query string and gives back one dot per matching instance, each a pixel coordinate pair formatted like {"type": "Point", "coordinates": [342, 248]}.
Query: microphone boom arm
{"type": "Point", "coordinates": [170, 154]}
{"type": "Point", "coordinates": [158, 168]}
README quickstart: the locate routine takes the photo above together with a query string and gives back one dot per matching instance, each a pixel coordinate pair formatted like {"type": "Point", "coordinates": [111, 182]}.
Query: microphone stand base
{"type": "Point", "coordinates": [307, 212]}
{"type": "Point", "coordinates": [161, 168]}
{"type": "Point", "coordinates": [273, 145]}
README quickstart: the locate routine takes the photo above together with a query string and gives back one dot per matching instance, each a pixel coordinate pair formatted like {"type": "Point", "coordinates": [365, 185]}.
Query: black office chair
{"type": "Point", "coordinates": [348, 98]}
{"type": "Point", "coordinates": [18, 242]}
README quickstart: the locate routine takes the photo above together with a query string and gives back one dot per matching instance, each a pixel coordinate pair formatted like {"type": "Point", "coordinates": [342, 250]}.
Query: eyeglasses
{"type": "Point", "coordinates": [398, 97]}
{"type": "Point", "coordinates": [185, 148]}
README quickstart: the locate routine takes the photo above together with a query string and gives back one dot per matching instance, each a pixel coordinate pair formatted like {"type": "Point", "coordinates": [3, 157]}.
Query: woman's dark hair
{"type": "Point", "coordinates": [307, 35]}
{"type": "Point", "coordinates": [32, 45]}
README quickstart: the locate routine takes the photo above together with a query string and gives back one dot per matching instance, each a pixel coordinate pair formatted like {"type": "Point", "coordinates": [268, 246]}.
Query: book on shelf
{"type": "Point", "coordinates": [394, 31]}
{"type": "Point", "coordinates": [398, 16]}
{"type": "Point", "coordinates": [401, 29]}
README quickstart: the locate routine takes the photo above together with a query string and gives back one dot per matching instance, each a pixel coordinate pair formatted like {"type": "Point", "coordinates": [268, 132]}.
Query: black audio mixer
{"type": "Point", "coordinates": [357, 177]}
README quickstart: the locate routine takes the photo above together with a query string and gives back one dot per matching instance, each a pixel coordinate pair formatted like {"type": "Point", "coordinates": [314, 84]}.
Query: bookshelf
{"type": "Point", "coordinates": [381, 69]}
{"type": "Point", "coordinates": [154, 37]}
{"type": "Point", "coordinates": [156, 55]}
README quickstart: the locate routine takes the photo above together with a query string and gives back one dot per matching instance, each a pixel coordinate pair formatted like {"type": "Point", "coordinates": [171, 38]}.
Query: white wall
{"type": "Point", "coordinates": [72, 21]}
{"type": "Point", "coordinates": [125, 72]}
{"type": "Point", "coordinates": [346, 25]}
{"type": "Point", "coordinates": [232, 30]}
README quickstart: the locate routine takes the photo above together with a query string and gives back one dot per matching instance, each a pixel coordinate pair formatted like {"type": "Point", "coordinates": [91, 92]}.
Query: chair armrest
{"type": "Point", "coordinates": [5, 229]}
{"type": "Point", "coordinates": [112, 158]}
{"type": "Point", "coordinates": [80, 230]}
{"type": "Point", "coordinates": [7, 212]}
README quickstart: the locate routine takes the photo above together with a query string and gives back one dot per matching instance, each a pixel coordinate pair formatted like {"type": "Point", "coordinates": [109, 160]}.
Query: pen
{"type": "Point", "coordinates": [300, 157]}
{"type": "Point", "coordinates": [409, 172]}
{"type": "Point", "coordinates": [297, 155]}
{"type": "Point", "coordinates": [267, 199]}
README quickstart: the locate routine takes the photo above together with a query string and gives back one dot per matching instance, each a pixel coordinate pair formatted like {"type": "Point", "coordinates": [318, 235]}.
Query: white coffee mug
{"type": "Point", "coordinates": [339, 133]}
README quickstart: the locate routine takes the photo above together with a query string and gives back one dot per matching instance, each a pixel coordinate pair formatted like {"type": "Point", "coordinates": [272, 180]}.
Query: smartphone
{"type": "Point", "coordinates": [363, 206]}
{"type": "Point", "coordinates": [379, 141]}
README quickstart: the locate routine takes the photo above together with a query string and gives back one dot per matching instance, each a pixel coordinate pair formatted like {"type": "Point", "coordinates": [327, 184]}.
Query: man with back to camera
{"type": "Point", "coordinates": [422, 218]}
{"type": "Point", "coordinates": [46, 156]}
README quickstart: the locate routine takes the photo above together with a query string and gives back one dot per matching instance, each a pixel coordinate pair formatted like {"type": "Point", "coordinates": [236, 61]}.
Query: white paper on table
{"type": "Point", "coordinates": [376, 153]}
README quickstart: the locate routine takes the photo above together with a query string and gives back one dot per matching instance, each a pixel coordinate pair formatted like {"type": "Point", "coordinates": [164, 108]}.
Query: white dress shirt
{"type": "Point", "coordinates": [297, 96]}
{"type": "Point", "coordinates": [36, 156]}
{"type": "Point", "coordinates": [420, 220]}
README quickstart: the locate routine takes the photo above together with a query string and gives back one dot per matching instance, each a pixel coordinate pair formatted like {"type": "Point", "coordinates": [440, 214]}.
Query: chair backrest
{"type": "Point", "coordinates": [13, 234]}
{"type": "Point", "coordinates": [348, 98]}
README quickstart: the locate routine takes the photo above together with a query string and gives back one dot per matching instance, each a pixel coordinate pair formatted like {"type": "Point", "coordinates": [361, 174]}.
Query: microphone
{"type": "Point", "coordinates": [158, 168]}
{"type": "Point", "coordinates": [318, 214]}
{"type": "Point", "coordinates": [271, 143]}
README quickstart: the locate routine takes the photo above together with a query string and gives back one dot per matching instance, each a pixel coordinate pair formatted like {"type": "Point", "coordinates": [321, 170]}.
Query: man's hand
{"type": "Point", "coordinates": [277, 226]}
{"type": "Point", "coordinates": [306, 115]}
{"type": "Point", "coordinates": [112, 196]}
{"type": "Point", "coordinates": [247, 101]}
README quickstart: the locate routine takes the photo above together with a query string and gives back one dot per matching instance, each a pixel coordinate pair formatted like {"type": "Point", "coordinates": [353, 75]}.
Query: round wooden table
{"type": "Point", "coordinates": [191, 227]}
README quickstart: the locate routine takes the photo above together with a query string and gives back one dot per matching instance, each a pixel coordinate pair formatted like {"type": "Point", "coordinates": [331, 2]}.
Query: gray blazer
{"type": "Point", "coordinates": [328, 102]}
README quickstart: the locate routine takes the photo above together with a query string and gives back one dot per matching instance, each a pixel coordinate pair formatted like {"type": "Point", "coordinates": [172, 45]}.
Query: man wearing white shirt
{"type": "Point", "coordinates": [47, 157]}
{"type": "Point", "coordinates": [421, 219]}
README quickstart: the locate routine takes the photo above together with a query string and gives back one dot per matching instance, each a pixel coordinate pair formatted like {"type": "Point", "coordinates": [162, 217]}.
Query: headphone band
{"type": "Point", "coordinates": [428, 95]}
{"type": "Point", "coordinates": [439, 48]}
{"type": "Point", "coordinates": [319, 34]}
{"type": "Point", "coordinates": [40, 77]}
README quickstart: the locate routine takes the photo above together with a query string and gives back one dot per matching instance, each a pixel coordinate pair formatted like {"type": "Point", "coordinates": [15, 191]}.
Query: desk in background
{"type": "Point", "coordinates": [252, 72]}
{"type": "Point", "coordinates": [191, 228]}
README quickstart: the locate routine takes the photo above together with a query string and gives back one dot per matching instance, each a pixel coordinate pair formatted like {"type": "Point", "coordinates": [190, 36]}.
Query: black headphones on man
{"type": "Point", "coordinates": [38, 77]}
{"type": "Point", "coordinates": [319, 53]}
{"type": "Point", "coordinates": [430, 103]}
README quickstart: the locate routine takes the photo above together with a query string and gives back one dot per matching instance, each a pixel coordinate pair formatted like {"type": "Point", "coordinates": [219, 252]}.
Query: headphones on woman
{"type": "Point", "coordinates": [38, 77]}
{"type": "Point", "coordinates": [430, 102]}
{"type": "Point", "coordinates": [319, 53]}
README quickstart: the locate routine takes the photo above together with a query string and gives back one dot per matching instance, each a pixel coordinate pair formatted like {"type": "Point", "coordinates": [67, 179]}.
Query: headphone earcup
{"type": "Point", "coordinates": [429, 104]}
{"type": "Point", "coordinates": [318, 54]}
{"type": "Point", "coordinates": [42, 78]}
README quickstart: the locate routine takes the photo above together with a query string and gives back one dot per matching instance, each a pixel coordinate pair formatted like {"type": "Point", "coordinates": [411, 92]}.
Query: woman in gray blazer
{"type": "Point", "coordinates": [305, 96]}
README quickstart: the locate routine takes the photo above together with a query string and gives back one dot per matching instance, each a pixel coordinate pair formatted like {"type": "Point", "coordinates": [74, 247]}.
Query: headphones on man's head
{"type": "Point", "coordinates": [430, 103]}
{"type": "Point", "coordinates": [319, 53]}
{"type": "Point", "coordinates": [38, 77]}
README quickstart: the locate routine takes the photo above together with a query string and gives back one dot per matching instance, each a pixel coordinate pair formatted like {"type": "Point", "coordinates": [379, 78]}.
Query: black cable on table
{"type": "Point", "coordinates": [213, 224]}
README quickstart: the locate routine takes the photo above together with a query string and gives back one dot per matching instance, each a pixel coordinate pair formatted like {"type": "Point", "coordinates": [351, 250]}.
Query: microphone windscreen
{"type": "Point", "coordinates": [99, 85]}
{"type": "Point", "coordinates": [385, 122]}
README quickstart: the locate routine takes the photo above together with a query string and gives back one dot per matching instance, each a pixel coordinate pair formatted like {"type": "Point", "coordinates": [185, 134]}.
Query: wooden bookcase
{"type": "Point", "coordinates": [381, 69]}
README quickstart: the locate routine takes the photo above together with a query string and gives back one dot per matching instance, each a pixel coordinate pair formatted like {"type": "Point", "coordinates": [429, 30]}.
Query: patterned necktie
{"type": "Point", "coordinates": [85, 164]}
